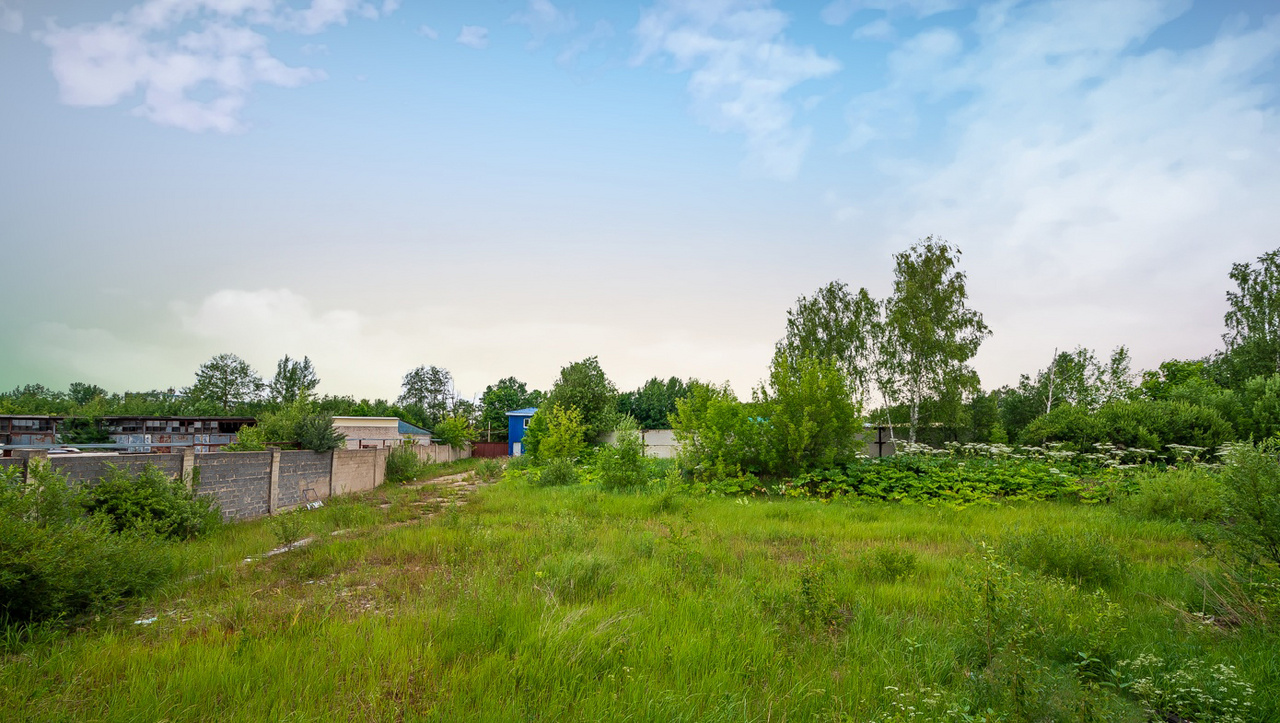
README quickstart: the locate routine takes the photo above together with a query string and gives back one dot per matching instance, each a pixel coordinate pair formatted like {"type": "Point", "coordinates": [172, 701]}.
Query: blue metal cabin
{"type": "Point", "coordinates": [517, 422]}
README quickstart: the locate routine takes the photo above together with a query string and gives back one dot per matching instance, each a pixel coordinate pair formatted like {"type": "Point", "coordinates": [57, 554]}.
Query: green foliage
{"type": "Point", "coordinates": [455, 431]}
{"type": "Point", "coordinates": [957, 481]}
{"type": "Point", "coordinates": [837, 325]}
{"type": "Point", "coordinates": [1253, 320]}
{"type": "Point", "coordinates": [227, 381]}
{"type": "Point", "coordinates": [1131, 424]}
{"type": "Point", "coordinates": [1181, 495]}
{"type": "Point", "coordinates": [654, 402]}
{"type": "Point", "coordinates": [720, 438]}
{"type": "Point", "coordinates": [289, 528]}
{"type": "Point", "coordinates": [1192, 691]}
{"type": "Point", "coordinates": [56, 563]}
{"type": "Point", "coordinates": [559, 435]}
{"type": "Point", "coordinates": [1084, 559]}
{"type": "Point", "coordinates": [150, 503]}
{"type": "Point", "coordinates": [507, 395]}
{"type": "Point", "coordinates": [577, 577]}
{"type": "Point", "coordinates": [930, 333]}
{"type": "Point", "coordinates": [429, 389]}
{"type": "Point", "coordinates": [1252, 481]}
{"type": "Point", "coordinates": [293, 380]}
{"type": "Point", "coordinates": [489, 470]}
{"type": "Point", "coordinates": [889, 563]}
{"type": "Point", "coordinates": [621, 465]}
{"type": "Point", "coordinates": [558, 472]}
{"type": "Point", "coordinates": [403, 464]}
{"type": "Point", "coordinates": [584, 386]}
{"type": "Point", "coordinates": [812, 421]}
{"type": "Point", "coordinates": [317, 433]}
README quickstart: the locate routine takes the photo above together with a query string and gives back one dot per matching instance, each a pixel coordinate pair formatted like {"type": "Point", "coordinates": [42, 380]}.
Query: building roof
{"type": "Point", "coordinates": [526, 412]}
{"type": "Point", "coordinates": [406, 428]}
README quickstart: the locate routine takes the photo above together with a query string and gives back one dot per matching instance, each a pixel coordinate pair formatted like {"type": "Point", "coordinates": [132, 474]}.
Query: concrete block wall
{"type": "Point", "coordinates": [300, 470]}
{"type": "Point", "coordinates": [357, 470]}
{"type": "Point", "coordinates": [441, 453]}
{"type": "Point", "coordinates": [245, 485]}
{"type": "Point", "coordinates": [89, 469]}
{"type": "Point", "coordinates": [239, 481]}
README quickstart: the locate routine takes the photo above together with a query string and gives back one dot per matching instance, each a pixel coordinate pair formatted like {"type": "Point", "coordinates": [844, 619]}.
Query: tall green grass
{"type": "Point", "coordinates": [567, 603]}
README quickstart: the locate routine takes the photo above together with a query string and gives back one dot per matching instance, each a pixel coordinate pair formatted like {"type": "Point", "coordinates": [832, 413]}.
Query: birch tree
{"type": "Point", "coordinates": [930, 334]}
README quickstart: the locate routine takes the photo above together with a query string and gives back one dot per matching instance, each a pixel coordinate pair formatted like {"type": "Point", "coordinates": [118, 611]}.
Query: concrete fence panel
{"type": "Point", "coordinates": [89, 469]}
{"type": "Point", "coordinates": [239, 481]}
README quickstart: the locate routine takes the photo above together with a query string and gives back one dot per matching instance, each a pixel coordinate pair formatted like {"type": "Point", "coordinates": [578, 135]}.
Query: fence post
{"type": "Point", "coordinates": [274, 492]}
{"type": "Point", "coordinates": [186, 469]}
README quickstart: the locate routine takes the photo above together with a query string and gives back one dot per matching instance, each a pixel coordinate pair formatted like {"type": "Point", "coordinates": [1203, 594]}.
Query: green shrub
{"type": "Point", "coordinates": [316, 433]}
{"type": "Point", "coordinates": [1130, 424]}
{"type": "Point", "coordinates": [1252, 500]}
{"type": "Point", "coordinates": [622, 464]}
{"type": "Point", "coordinates": [1184, 495]}
{"type": "Point", "coordinates": [1192, 691]}
{"type": "Point", "coordinates": [489, 470]}
{"type": "Point", "coordinates": [564, 438]}
{"type": "Point", "coordinates": [1085, 559]}
{"type": "Point", "coordinates": [455, 431]}
{"type": "Point", "coordinates": [889, 563]}
{"type": "Point", "coordinates": [403, 464]}
{"type": "Point", "coordinates": [56, 563]}
{"type": "Point", "coordinates": [721, 439]}
{"type": "Point", "coordinates": [558, 473]}
{"type": "Point", "coordinates": [151, 503]}
{"type": "Point", "coordinates": [289, 527]}
{"type": "Point", "coordinates": [810, 418]}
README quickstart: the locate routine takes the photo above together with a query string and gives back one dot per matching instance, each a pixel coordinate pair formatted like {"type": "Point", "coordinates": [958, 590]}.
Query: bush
{"type": "Point", "coordinates": [316, 433]}
{"type": "Point", "coordinates": [720, 438]}
{"type": "Point", "coordinates": [289, 527]}
{"type": "Point", "coordinates": [1252, 500]}
{"type": "Point", "coordinates": [564, 435]}
{"type": "Point", "coordinates": [811, 420]}
{"type": "Point", "coordinates": [150, 503]}
{"type": "Point", "coordinates": [558, 473]}
{"type": "Point", "coordinates": [1130, 424]}
{"type": "Point", "coordinates": [889, 563]}
{"type": "Point", "coordinates": [1183, 495]}
{"type": "Point", "coordinates": [622, 464]}
{"type": "Point", "coordinates": [403, 464]}
{"type": "Point", "coordinates": [56, 563]}
{"type": "Point", "coordinates": [455, 431]}
{"type": "Point", "coordinates": [489, 470]}
{"type": "Point", "coordinates": [1085, 559]}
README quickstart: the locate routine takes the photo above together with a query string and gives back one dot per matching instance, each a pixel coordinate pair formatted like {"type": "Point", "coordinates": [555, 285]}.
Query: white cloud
{"type": "Point", "coordinates": [474, 36]}
{"type": "Point", "coordinates": [10, 19]}
{"type": "Point", "coordinates": [741, 68]}
{"type": "Point", "coordinates": [428, 32]}
{"type": "Point", "coordinates": [839, 11]}
{"type": "Point", "coordinates": [584, 42]}
{"type": "Point", "coordinates": [544, 19]}
{"type": "Point", "coordinates": [879, 29]}
{"type": "Point", "coordinates": [194, 61]}
{"type": "Point", "coordinates": [1082, 174]}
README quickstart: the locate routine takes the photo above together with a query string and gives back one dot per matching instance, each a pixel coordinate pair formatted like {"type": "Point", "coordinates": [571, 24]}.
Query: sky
{"type": "Point", "coordinates": [503, 188]}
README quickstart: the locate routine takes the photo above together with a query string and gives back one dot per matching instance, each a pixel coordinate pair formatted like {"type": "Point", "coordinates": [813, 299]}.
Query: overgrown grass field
{"type": "Point", "coordinates": [572, 604]}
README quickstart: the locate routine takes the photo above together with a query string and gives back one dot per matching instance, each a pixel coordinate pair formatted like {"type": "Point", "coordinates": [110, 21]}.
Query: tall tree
{"type": "Point", "coordinates": [293, 380]}
{"type": "Point", "coordinates": [430, 389]}
{"type": "Point", "coordinates": [840, 325]}
{"type": "Point", "coordinates": [654, 402]}
{"type": "Point", "coordinates": [225, 380]}
{"type": "Point", "coordinates": [930, 333]}
{"type": "Point", "coordinates": [507, 395]}
{"type": "Point", "coordinates": [1253, 321]}
{"type": "Point", "coordinates": [583, 385]}
{"type": "Point", "coordinates": [82, 393]}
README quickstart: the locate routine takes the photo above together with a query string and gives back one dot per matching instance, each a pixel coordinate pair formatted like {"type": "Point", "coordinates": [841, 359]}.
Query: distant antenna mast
{"type": "Point", "coordinates": [1052, 367]}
